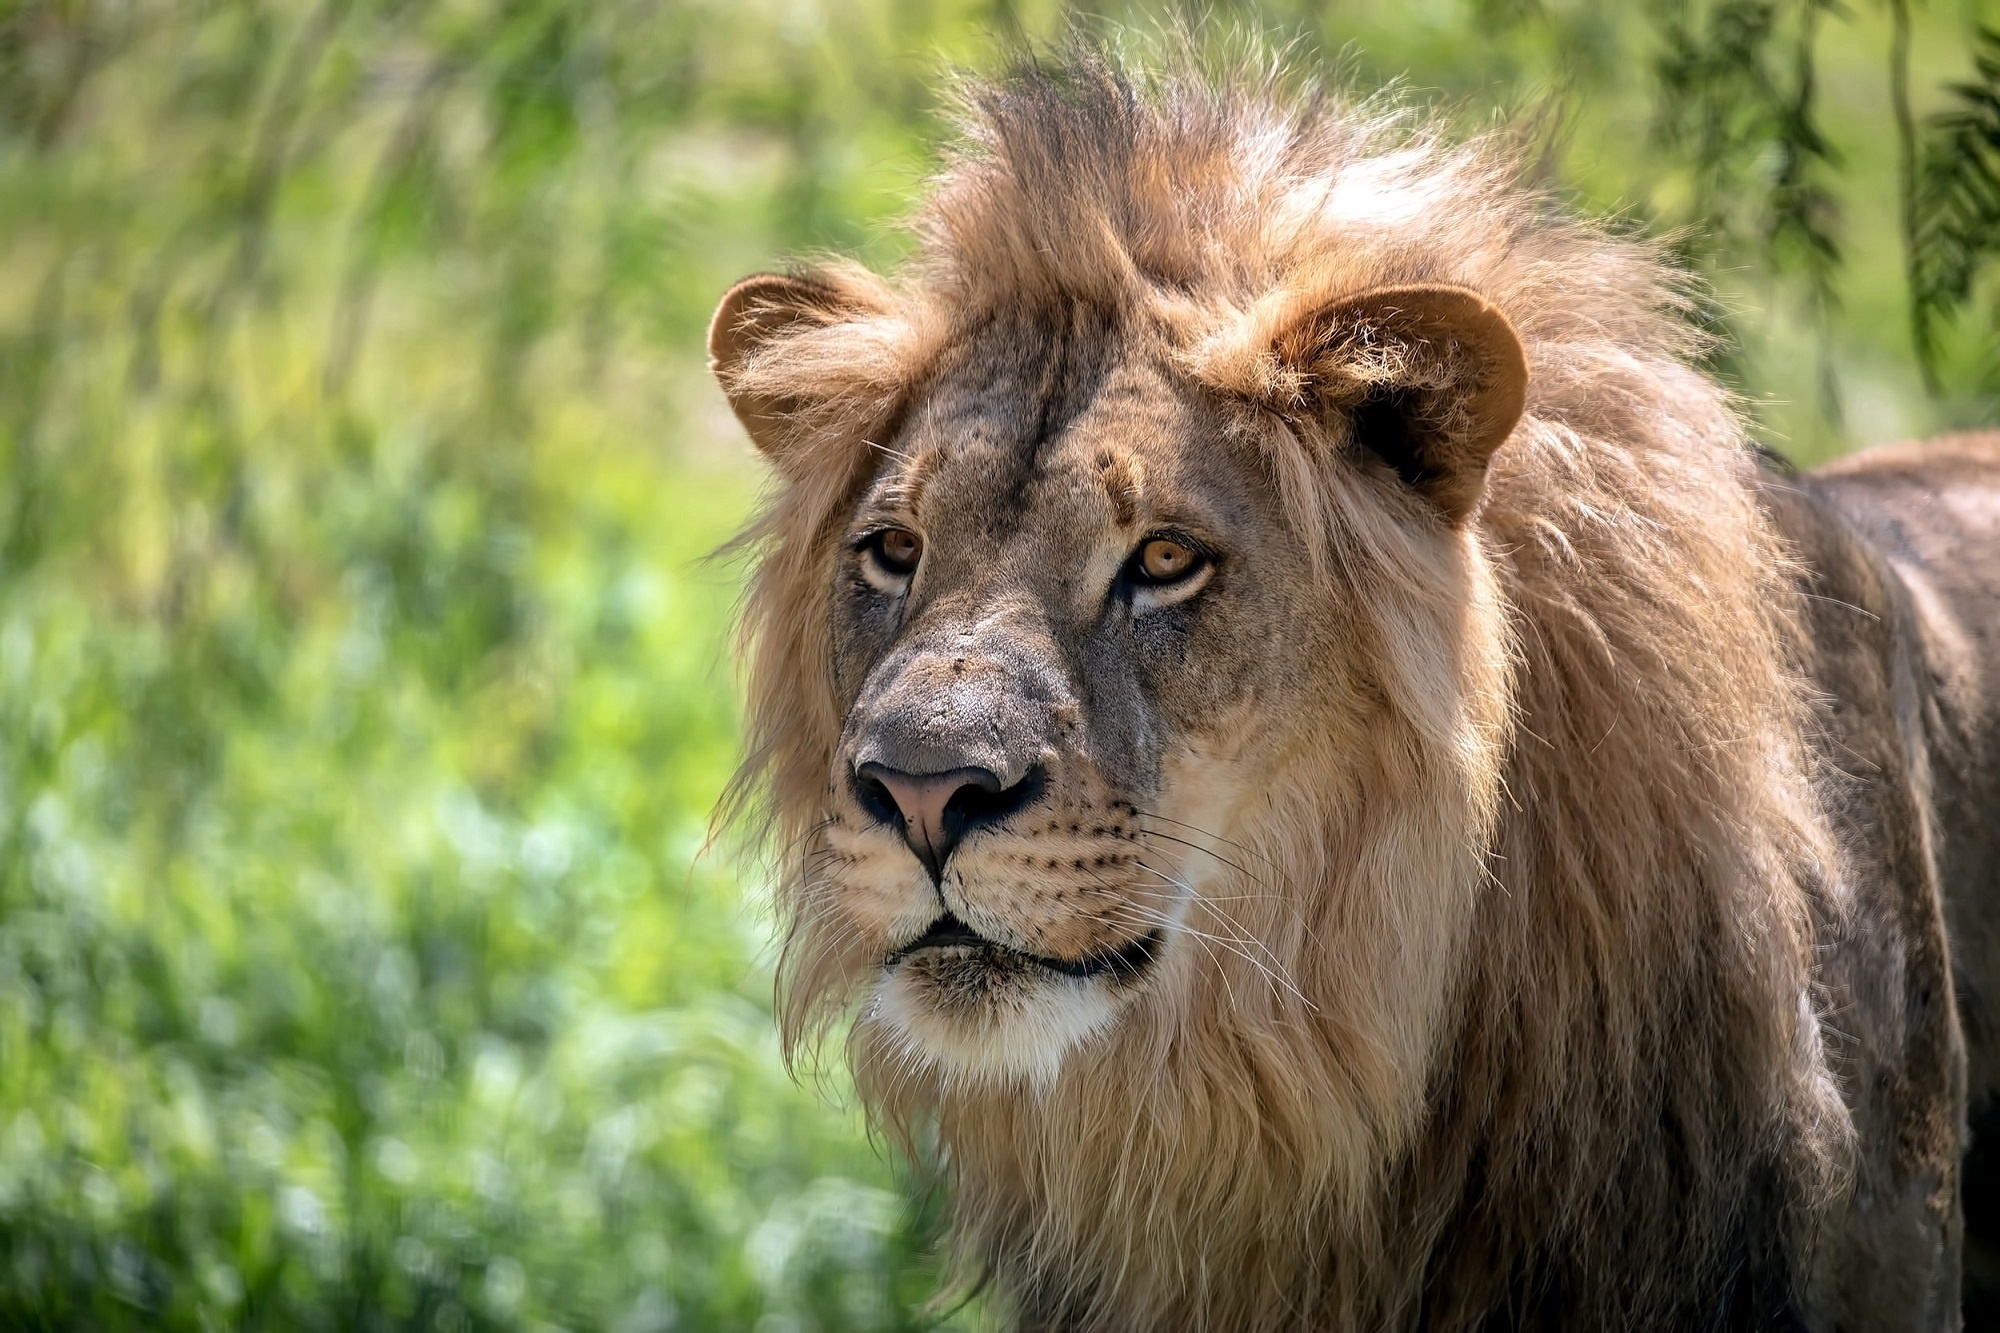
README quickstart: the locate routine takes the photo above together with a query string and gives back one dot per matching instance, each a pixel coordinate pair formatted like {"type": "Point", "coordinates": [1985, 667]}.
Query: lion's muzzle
{"type": "Point", "coordinates": [955, 733]}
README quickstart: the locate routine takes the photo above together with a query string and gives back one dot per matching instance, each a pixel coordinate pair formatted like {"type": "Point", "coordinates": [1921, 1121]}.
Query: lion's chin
{"type": "Point", "coordinates": [969, 1009]}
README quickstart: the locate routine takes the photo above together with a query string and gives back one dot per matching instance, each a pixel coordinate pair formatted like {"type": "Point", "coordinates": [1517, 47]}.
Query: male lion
{"type": "Point", "coordinates": [1339, 784]}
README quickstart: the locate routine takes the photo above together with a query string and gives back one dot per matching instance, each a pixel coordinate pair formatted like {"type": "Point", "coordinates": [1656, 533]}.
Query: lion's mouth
{"type": "Point", "coordinates": [948, 932]}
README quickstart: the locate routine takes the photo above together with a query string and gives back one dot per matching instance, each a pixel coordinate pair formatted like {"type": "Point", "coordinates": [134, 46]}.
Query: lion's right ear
{"type": "Point", "coordinates": [804, 357]}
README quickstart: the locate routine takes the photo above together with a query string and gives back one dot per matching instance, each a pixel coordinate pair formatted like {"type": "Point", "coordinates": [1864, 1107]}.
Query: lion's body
{"type": "Point", "coordinates": [1500, 887]}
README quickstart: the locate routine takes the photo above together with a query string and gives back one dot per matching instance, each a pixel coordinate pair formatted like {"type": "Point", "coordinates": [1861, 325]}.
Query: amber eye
{"type": "Point", "coordinates": [1164, 560]}
{"type": "Point", "coordinates": [897, 550]}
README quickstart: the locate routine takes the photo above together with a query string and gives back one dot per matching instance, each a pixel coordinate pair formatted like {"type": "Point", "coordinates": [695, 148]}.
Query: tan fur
{"type": "Point", "coordinates": [1499, 958]}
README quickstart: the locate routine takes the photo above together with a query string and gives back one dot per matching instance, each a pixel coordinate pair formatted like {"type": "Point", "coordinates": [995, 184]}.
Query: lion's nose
{"type": "Point", "coordinates": [936, 810]}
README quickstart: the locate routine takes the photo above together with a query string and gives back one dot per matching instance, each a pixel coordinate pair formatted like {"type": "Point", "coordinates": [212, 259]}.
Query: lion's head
{"type": "Point", "coordinates": [1079, 648]}
{"type": "Point", "coordinates": [1162, 580]}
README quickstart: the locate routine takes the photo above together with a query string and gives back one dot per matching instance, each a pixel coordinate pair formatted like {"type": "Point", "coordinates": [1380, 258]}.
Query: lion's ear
{"type": "Point", "coordinates": [1429, 379]}
{"type": "Point", "coordinates": [786, 385]}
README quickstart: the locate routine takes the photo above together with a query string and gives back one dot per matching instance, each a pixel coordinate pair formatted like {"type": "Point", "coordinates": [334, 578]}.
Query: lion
{"type": "Point", "coordinates": [1311, 752]}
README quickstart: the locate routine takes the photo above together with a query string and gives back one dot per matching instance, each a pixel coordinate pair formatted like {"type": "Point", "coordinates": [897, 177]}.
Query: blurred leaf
{"type": "Point", "coordinates": [1956, 209]}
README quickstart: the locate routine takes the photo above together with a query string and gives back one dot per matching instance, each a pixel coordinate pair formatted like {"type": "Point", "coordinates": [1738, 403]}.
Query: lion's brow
{"type": "Point", "coordinates": [906, 489]}
{"type": "Point", "coordinates": [1121, 476]}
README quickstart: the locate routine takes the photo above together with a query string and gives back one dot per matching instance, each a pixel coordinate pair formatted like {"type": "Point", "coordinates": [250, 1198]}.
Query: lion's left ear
{"type": "Point", "coordinates": [1429, 379]}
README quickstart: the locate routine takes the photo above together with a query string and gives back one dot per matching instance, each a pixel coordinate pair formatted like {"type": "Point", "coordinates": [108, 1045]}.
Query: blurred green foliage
{"type": "Point", "coordinates": [364, 690]}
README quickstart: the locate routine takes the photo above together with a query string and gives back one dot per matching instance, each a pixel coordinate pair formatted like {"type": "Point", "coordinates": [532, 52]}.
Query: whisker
{"type": "Point", "coordinates": [901, 456]}
{"type": "Point", "coordinates": [1207, 944]}
{"type": "Point", "coordinates": [1154, 833]}
{"type": "Point", "coordinates": [1273, 972]}
{"type": "Point", "coordinates": [1245, 848]}
{"type": "Point", "coordinates": [1247, 938]}
{"type": "Point", "coordinates": [1291, 900]}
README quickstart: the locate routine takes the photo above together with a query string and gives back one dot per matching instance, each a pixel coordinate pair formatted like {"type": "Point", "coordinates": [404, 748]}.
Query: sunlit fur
{"type": "Point", "coordinates": [1553, 868]}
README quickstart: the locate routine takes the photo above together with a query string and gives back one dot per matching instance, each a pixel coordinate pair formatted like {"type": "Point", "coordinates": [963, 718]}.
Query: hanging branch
{"type": "Point", "coordinates": [1738, 101]}
{"type": "Point", "coordinates": [1953, 217]}
{"type": "Point", "coordinates": [1906, 173]}
{"type": "Point", "coordinates": [1803, 212]}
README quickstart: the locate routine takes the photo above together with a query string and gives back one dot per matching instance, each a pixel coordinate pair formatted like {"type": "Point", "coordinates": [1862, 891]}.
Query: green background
{"type": "Point", "coordinates": [364, 684]}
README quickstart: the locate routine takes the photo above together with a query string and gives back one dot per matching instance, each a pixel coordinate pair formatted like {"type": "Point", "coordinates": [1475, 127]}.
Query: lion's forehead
{"type": "Point", "coordinates": [996, 459]}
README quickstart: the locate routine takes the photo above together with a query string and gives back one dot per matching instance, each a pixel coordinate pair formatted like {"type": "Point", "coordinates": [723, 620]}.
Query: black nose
{"type": "Point", "coordinates": [937, 810]}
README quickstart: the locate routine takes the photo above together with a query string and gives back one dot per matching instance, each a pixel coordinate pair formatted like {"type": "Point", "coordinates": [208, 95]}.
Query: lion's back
{"type": "Point", "coordinates": [1929, 515]}
{"type": "Point", "coordinates": [1933, 511]}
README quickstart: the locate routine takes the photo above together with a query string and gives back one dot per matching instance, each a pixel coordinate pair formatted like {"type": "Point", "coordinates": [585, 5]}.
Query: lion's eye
{"type": "Point", "coordinates": [1163, 560]}
{"type": "Point", "coordinates": [892, 556]}
{"type": "Point", "coordinates": [1166, 569]}
{"type": "Point", "coordinates": [898, 549]}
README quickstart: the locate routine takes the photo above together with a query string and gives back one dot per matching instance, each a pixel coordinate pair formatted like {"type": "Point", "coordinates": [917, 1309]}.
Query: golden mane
{"type": "Point", "coordinates": [1628, 1013]}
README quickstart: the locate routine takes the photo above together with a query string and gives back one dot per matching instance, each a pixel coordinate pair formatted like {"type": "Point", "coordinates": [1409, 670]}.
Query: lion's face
{"type": "Point", "coordinates": [1058, 609]}
{"type": "Point", "coordinates": [1090, 627]}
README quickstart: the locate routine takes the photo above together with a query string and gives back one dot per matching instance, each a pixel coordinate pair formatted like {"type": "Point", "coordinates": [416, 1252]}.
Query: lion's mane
{"type": "Point", "coordinates": [1629, 1039]}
